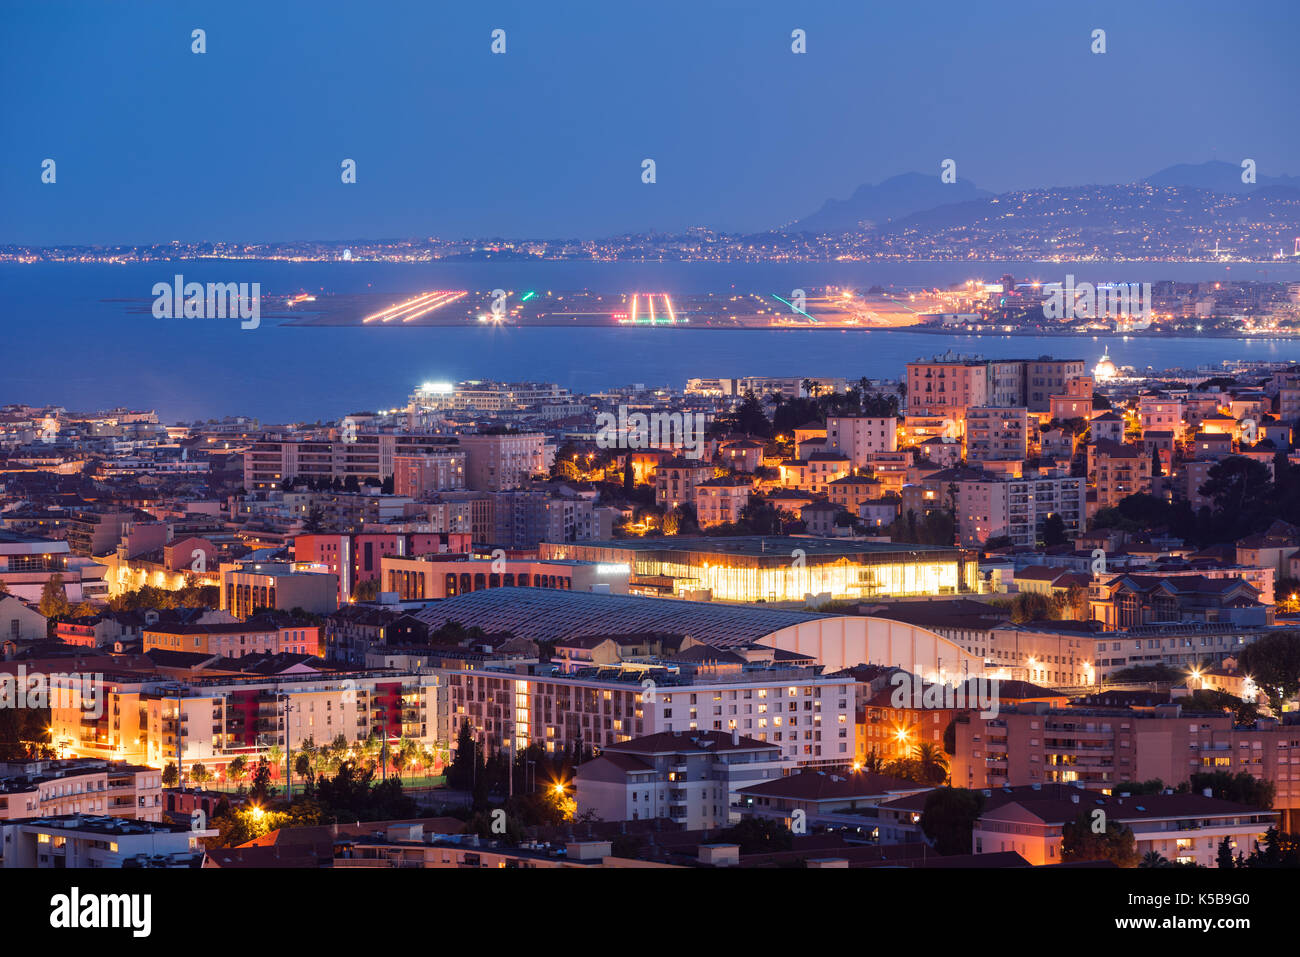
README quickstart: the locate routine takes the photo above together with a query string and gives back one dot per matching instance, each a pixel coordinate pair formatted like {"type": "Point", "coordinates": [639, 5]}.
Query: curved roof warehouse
{"type": "Point", "coordinates": [835, 641]}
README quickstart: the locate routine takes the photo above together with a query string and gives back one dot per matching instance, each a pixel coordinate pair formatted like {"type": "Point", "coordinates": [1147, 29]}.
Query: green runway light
{"type": "Point", "coordinates": [794, 307]}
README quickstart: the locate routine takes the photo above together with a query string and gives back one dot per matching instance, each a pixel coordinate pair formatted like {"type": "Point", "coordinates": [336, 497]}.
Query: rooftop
{"type": "Point", "coordinates": [548, 614]}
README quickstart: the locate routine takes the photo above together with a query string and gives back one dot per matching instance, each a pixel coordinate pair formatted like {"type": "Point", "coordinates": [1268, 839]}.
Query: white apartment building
{"type": "Point", "coordinates": [83, 841]}
{"type": "Point", "coordinates": [688, 778]}
{"type": "Point", "coordinates": [45, 788]}
{"type": "Point", "coordinates": [212, 721]}
{"type": "Point", "coordinates": [808, 716]}
{"type": "Point", "coordinates": [859, 436]}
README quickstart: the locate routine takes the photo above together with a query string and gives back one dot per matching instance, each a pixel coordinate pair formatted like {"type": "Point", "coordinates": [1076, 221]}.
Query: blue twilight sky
{"type": "Point", "coordinates": [154, 143]}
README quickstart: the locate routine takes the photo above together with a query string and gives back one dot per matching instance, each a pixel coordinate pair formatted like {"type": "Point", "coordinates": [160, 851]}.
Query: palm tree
{"type": "Point", "coordinates": [932, 763]}
{"type": "Point", "coordinates": [1153, 859]}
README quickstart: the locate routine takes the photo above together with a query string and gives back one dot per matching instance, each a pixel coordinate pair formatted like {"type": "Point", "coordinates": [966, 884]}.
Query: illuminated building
{"type": "Point", "coordinates": [806, 715]}
{"type": "Point", "coordinates": [1118, 471]}
{"type": "Point", "coordinates": [687, 778]}
{"type": "Point", "coordinates": [149, 719]}
{"type": "Point", "coordinates": [234, 640]}
{"type": "Point", "coordinates": [779, 568]}
{"type": "Point", "coordinates": [994, 434]}
{"type": "Point", "coordinates": [429, 577]}
{"type": "Point", "coordinates": [556, 616]}
{"type": "Point", "coordinates": [80, 786]}
{"type": "Point", "coordinates": [859, 436]}
{"type": "Point", "coordinates": [721, 500]}
{"type": "Point", "coordinates": [100, 841]}
{"type": "Point", "coordinates": [476, 396]}
{"type": "Point", "coordinates": [1105, 368]}
{"type": "Point", "coordinates": [1098, 748]}
{"type": "Point", "coordinates": [951, 384]}
{"type": "Point", "coordinates": [356, 558]}
{"type": "Point", "coordinates": [362, 456]}
{"type": "Point", "coordinates": [247, 587]}
{"type": "Point", "coordinates": [440, 471]}
{"type": "Point", "coordinates": [1182, 828]}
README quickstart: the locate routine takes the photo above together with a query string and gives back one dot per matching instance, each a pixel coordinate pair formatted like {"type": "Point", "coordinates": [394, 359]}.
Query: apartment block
{"type": "Point", "coordinates": [235, 640]}
{"type": "Point", "coordinates": [685, 777]}
{"type": "Point", "coordinates": [808, 716]}
{"type": "Point", "coordinates": [212, 721]}
{"type": "Point", "coordinates": [995, 434]}
{"type": "Point", "coordinates": [494, 462]}
{"type": "Point", "coordinates": [858, 436]}
{"type": "Point", "coordinates": [365, 455]}
{"type": "Point", "coordinates": [441, 471]}
{"type": "Point", "coordinates": [79, 786]}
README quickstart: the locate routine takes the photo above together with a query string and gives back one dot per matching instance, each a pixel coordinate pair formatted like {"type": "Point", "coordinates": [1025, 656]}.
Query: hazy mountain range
{"type": "Point", "coordinates": [923, 201]}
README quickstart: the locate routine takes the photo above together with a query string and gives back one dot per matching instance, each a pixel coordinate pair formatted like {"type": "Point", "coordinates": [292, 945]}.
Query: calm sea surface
{"type": "Point", "coordinates": [66, 345]}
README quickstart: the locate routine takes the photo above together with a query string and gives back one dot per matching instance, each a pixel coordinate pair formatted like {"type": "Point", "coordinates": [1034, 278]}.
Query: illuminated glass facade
{"type": "Point", "coordinates": [782, 568]}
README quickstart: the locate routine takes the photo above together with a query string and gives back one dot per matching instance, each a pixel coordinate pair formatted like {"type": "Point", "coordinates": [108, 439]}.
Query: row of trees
{"type": "Point", "coordinates": [349, 484]}
{"type": "Point", "coordinates": [149, 598]}
{"type": "Point", "coordinates": [313, 761]}
{"type": "Point", "coordinates": [351, 793]}
{"type": "Point", "coordinates": [1244, 498]}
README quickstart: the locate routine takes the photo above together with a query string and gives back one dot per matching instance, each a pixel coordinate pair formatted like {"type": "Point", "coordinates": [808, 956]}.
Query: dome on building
{"type": "Point", "coordinates": [1104, 369]}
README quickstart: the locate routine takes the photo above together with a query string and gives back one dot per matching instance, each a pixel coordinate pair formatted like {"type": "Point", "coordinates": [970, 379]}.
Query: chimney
{"type": "Point", "coordinates": [1074, 798]}
{"type": "Point", "coordinates": [735, 737]}
{"type": "Point", "coordinates": [1208, 792]}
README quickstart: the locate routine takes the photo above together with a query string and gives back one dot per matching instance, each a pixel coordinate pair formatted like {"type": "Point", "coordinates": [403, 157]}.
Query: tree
{"type": "Point", "coordinates": [1086, 839]}
{"type": "Point", "coordinates": [757, 835]}
{"type": "Point", "coordinates": [170, 776]}
{"type": "Point", "coordinates": [198, 774]}
{"type": "Point", "coordinates": [1278, 850]}
{"type": "Point", "coordinates": [1032, 606]}
{"type": "Point", "coordinates": [948, 818]}
{"type": "Point", "coordinates": [54, 600]}
{"type": "Point", "coordinates": [315, 520]}
{"type": "Point", "coordinates": [1206, 699]}
{"type": "Point", "coordinates": [261, 789]}
{"type": "Point", "coordinates": [1273, 663]}
{"type": "Point", "coordinates": [1224, 856]}
{"type": "Point", "coordinates": [237, 769]}
{"type": "Point", "coordinates": [931, 763]}
{"type": "Point", "coordinates": [1054, 530]}
{"type": "Point", "coordinates": [1237, 485]}
{"type": "Point", "coordinates": [463, 767]}
{"type": "Point", "coordinates": [1240, 788]}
